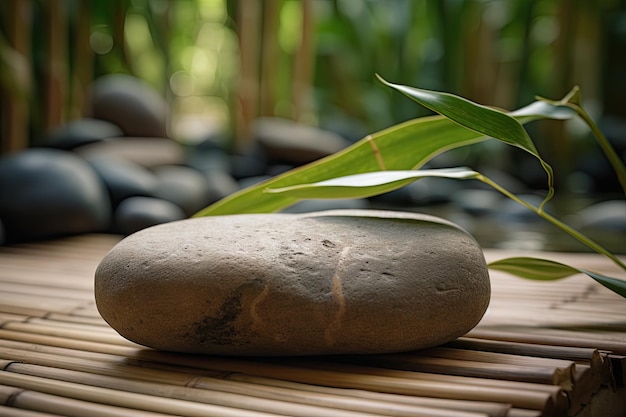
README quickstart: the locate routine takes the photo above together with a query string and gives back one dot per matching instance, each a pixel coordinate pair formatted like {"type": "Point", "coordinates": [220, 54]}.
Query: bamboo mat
{"type": "Point", "coordinates": [542, 349]}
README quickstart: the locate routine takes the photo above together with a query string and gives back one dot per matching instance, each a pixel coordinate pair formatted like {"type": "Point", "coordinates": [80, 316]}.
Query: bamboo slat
{"type": "Point", "coordinates": [543, 349]}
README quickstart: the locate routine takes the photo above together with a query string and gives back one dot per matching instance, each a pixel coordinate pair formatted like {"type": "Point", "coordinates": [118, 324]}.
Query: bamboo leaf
{"type": "Point", "coordinates": [482, 119]}
{"type": "Point", "coordinates": [405, 146]}
{"type": "Point", "coordinates": [369, 184]}
{"type": "Point", "coordinates": [547, 270]}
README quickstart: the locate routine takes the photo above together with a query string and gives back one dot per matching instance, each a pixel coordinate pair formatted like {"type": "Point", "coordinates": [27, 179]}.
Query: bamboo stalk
{"type": "Point", "coordinates": [46, 291]}
{"type": "Point", "coordinates": [520, 412]}
{"type": "Point", "coordinates": [507, 371]}
{"type": "Point", "coordinates": [99, 365]}
{"type": "Point", "coordinates": [15, 104]}
{"type": "Point", "coordinates": [248, 89]}
{"type": "Point", "coordinates": [16, 412]}
{"type": "Point", "coordinates": [72, 326]}
{"type": "Point", "coordinates": [82, 74]}
{"type": "Point", "coordinates": [56, 67]}
{"type": "Point", "coordinates": [161, 390]}
{"type": "Point", "coordinates": [527, 349]}
{"type": "Point", "coordinates": [119, 398]}
{"type": "Point", "coordinates": [269, 57]}
{"type": "Point", "coordinates": [69, 318]}
{"type": "Point", "coordinates": [346, 367]}
{"type": "Point", "coordinates": [93, 336]}
{"type": "Point", "coordinates": [62, 342]}
{"type": "Point", "coordinates": [370, 381]}
{"type": "Point", "coordinates": [491, 409]}
{"type": "Point", "coordinates": [304, 62]}
{"type": "Point", "coordinates": [530, 335]}
{"type": "Point", "coordinates": [59, 405]}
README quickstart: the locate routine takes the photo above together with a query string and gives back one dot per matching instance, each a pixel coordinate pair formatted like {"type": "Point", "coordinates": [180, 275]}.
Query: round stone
{"type": "Point", "coordinates": [147, 152]}
{"type": "Point", "coordinates": [48, 192]}
{"type": "Point", "coordinates": [81, 132]}
{"type": "Point", "coordinates": [133, 105]}
{"type": "Point", "coordinates": [136, 213]}
{"type": "Point", "coordinates": [334, 282]}
{"type": "Point", "coordinates": [123, 178]}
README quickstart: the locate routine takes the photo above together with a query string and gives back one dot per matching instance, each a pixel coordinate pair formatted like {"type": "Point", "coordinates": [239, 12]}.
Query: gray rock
{"type": "Point", "coordinates": [49, 192]}
{"type": "Point", "coordinates": [147, 152]}
{"type": "Point", "coordinates": [607, 215]}
{"type": "Point", "coordinates": [335, 282]}
{"type": "Point", "coordinates": [137, 213]}
{"type": "Point", "coordinates": [133, 105]}
{"type": "Point", "coordinates": [220, 184]}
{"type": "Point", "coordinates": [123, 178]}
{"type": "Point", "coordinates": [81, 132]}
{"type": "Point", "coordinates": [295, 143]}
{"type": "Point", "coordinates": [183, 186]}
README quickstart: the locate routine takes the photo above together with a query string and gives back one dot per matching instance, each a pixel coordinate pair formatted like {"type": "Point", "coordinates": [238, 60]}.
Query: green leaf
{"type": "Point", "coordinates": [405, 146]}
{"type": "Point", "coordinates": [482, 119]}
{"type": "Point", "coordinates": [369, 184]}
{"type": "Point", "coordinates": [547, 270]}
{"type": "Point", "coordinates": [534, 268]}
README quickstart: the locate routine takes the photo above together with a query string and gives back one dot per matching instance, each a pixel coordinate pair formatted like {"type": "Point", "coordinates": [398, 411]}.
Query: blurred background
{"type": "Point", "coordinates": [245, 89]}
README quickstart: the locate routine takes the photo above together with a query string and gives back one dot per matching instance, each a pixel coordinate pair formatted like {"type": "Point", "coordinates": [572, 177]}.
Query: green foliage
{"type": "Point", "coordinates": [547, 270]}
{"type": "Point", "coordinates": [388, 160]}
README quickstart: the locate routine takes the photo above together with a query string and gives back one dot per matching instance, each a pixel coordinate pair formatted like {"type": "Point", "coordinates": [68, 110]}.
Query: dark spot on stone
{"type": "Point", "coordinates": [219, 329]}
{"type": "Point", "coordinates": [328, 243]}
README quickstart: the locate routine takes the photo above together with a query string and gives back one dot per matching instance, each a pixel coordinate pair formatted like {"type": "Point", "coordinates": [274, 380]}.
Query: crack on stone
{"type": "Point", "coordinates": [337, 291]}
{"type": "Point", "coordinates": [256, 319]}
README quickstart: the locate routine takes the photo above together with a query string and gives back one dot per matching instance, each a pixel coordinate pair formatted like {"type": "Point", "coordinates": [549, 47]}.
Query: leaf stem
{"type": "Point", "coordinates": [564, 227]}
{"type": "Point", "coordinates": [614, 159]}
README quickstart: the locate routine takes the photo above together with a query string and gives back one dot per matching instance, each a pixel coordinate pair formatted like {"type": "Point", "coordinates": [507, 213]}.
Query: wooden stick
{"type": "Point", "coordinates": [526, 336]}
{"type": "Point", "coordinates": [16, 412]}
{"type": "Point", "coordinates": [389, 384]}
{"type": "Point", "coordinates": [50, 405]}
{"type": "Point", "coordinates": [120, 398]}
{"type": "Point", "coordinates": [109, 365]}
{"type": "Point", "coordinates": [189, 395]}
{"type": "Point", "coordinates": [94, 336]}
{"type": "Point", "coordinates": [491, 409]}
{"type": "Point", "coordinates": [463, 367]}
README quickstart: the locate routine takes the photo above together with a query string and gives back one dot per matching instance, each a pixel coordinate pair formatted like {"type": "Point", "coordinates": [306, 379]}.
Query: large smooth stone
{"type": "Point", "coordinates": [46, 193]}
{"type": "Point", "coordinates": [334, 282]}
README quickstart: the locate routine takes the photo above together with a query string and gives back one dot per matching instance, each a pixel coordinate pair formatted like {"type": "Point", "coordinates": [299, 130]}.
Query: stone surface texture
{"type": "Point", "coordinates": [334, 282]}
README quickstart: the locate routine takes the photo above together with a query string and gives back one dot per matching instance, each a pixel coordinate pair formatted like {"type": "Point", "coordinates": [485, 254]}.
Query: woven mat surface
{"type": "Point", "coordinates": [542, 349]}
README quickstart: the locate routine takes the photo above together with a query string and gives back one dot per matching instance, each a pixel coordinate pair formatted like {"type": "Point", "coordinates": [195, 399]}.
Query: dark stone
{"type": "Point", "coordinates": [81, 132]}
{"type": "Point", "coordinates": [123, 178]}
{"type": "Point", "coordinates": [511, 211]}
{"type": "Point", "coordinates": [478, 202]}
{"type": "Point", "coordinates": [136, 213]}
{"type": "Point", "coordinates": [183, 186]}
{"type": "Point", "coordinates": [48, 192]}
{"type": "Point", "coordinates": [293, 143]}
{"type": "Point", "coordinates": [251, 162]}
{"type": "Point", "coordinates": [219, 184]}
{"type": "Point", "coordinates": [133, 105]}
